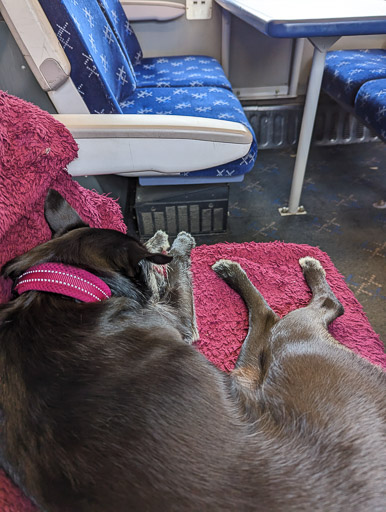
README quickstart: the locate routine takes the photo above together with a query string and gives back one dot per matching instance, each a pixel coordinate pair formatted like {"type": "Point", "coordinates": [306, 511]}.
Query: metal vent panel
{"type": "Point", "coordinates": [278, 126]}
{"type": "Point", "coordinates": [196, 209]}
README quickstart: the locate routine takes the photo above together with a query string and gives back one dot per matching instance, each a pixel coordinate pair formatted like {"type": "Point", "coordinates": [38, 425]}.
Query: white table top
{"type": "Point", "coordinates": [307, 18]}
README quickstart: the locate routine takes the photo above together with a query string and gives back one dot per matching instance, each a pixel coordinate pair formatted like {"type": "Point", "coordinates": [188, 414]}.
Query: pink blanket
{"type": "Point", "coordinates": [34, 152]}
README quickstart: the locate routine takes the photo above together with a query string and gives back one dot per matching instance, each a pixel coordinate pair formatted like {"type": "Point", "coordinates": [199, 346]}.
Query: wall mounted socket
{"type": "Point", "coordinates": [198, 9]}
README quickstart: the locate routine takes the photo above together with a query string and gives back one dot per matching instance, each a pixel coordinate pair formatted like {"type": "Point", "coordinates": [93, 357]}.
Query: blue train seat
{"type": "Point", "coordinates": [185, 131]}
{"type": "Point", "coordinates": [356, 79]}
{"type": "Point", "coordinates": [162, 71]}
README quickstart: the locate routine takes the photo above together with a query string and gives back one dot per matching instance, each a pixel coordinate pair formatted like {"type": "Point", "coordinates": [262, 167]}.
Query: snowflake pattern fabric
{"type": "Point", "coordinates": [370, 105]}
{"type": "Point", "coordinates": [181, 71]}
{"type": "Point", "coordinates": [357, 80]}
{"type": "Point", "coordinates": [347, 70]}
{"type": "Point", "coordinates": [209, 102]}
{"type": "Point", "coordinates": [103, 74]}
{"type": "Point", "coordinates": [122, 29]}
{"type": "Point", "coordinates": [174, 71]}
{"type": "Point", "coordinates": [99, 68]}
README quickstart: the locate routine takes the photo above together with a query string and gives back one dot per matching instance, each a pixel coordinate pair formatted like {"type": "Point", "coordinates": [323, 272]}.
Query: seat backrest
{"type": "Point", "coordinates": [100, 70]}
{"type": "Point", "coordinates": [122, 29]}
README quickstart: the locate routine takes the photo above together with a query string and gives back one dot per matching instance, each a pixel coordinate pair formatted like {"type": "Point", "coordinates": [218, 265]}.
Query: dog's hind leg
{"type": "Point", "coordinates": [324, 306]}
{"type": "Point", "coordinates": [255, 353]}
{"type": "Point", "coordinates": [180, 288]}
{"type": "Point", "coordinates": [310, 323]}
{"type": "Point", "coordinates": [159, 242]}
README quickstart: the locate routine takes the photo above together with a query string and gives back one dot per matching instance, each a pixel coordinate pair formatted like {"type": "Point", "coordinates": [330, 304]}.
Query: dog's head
{"type": "Point", "coordinates": [116, 258]}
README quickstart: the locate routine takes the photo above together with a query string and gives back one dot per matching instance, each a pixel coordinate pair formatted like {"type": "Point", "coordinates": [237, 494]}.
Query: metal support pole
{"type": "Point", "coordinates": [308, 120]}
{"type": "Point", "coordinates": [321, 45]}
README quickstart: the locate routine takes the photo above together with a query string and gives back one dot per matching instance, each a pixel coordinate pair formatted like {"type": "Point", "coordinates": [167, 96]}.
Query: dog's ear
{"type": "Point", "coordinates": [159, 258]}
{"type": "Point", "coordinates": [60, 216]}
{"type": "Point", "coordinates": [128, 255]}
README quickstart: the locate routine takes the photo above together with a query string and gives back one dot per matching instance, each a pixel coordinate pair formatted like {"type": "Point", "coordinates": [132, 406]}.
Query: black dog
{"type": "Point", "coordinates": [107, 407]}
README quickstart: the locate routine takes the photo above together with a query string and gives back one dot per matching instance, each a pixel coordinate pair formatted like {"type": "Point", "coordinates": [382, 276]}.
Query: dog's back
{"type": "Point", "coordinates": [112, 419]}
{"type": "Point", "coordinates": [121, 422]}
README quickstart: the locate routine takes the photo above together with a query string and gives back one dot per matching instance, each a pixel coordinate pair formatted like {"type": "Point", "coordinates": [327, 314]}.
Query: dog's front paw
{"type": "Point", "coordinates": [183, 244]}
{"type": "Point", "coordinates": [159, 242]}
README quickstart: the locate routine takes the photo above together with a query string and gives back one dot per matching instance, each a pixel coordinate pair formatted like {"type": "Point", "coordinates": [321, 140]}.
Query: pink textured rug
{"type": "Point", "coordinates": [34, 150]}
{"type": "Point", "coordinates": [274, 269]}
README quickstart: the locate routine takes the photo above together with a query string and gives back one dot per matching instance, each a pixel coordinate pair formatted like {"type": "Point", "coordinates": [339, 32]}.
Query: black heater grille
{"type": "Point", "coordinates": [198, 209]}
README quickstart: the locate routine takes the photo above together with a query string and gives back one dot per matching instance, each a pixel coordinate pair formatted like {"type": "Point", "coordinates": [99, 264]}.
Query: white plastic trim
{"type": "Point", "coordinates": [67, 99]}
{"type": "Point", "coordinates": [161, 126]}
{"type": "Point", "coordinates": [36, 39]}
{"type": "Point", "coordinates": [151, 156]}
{"type": "Point", "coordinates": [156, 10]}
{"type": "Point", "coordinates": [148, 145]}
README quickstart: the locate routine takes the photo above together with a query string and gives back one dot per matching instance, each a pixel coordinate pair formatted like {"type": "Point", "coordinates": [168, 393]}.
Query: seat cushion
{"type": "Point", "coordinates": [347, 70]}
{"type": "Point", "coordinates": [181, 71]}
{"type": "Point", "coordinates": [370, 105]}
{"type": "Point", "coordinates": [187, 70]}
{"type": "Point", "coordinates": [209, 102]}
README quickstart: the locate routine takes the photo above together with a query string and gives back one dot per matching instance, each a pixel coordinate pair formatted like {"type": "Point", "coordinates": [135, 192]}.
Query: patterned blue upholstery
{"type": "Point", "coordinates": [370, 105]}
{"type": "Point", "coordinates": [188, 70]}
{"type": "Point", "coordinates": [121, 27]}
{"type": "Point", "coordinates": [357, 80]}
{"type": "Point", "coordinates": [99, 69]}
{"type": "Point", "coordinates": [212, 102]}
{"type": "Point", "coordinates": [104, 76]}
{"type": "Point", "coordinates": [176, 71]}
{"type": "Point", "coordinates": [347, 70]}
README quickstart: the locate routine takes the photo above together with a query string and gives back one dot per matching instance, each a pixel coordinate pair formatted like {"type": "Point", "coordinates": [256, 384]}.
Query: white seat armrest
{"type": "Point", "coordinates": [139, 145]}
{"type": "Point", "coordinates": [163, 126]}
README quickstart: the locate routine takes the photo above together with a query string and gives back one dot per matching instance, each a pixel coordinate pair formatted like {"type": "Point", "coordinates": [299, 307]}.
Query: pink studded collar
{"type": "Point", "coordinates": [64, 279]}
